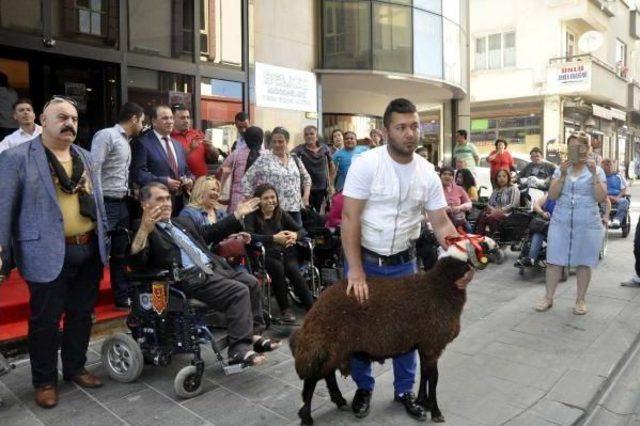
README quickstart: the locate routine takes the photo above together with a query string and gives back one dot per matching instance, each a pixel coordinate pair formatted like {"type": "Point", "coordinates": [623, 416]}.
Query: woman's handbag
{"type": "Point", "coordinates": [538, 225]}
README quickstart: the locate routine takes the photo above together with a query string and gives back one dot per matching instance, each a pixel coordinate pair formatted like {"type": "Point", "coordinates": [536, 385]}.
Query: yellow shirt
{"type": "Point", "coordinates": [74, 222]}
{"type": "Point", "coordinates": [472, 192]}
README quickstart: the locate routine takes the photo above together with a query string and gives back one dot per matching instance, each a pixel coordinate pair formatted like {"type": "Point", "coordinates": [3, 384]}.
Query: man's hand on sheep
{"type": "Point", "coordinates": [357, 281]}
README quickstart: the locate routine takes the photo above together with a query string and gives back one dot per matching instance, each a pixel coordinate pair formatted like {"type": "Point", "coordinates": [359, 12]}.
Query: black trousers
{"type": "Point", "coordinates": [237, 295]}
{"type": "Point", "coordinates": [118, 223]}
{"type": "Point", "coordinates": [74, 292]}
{"type": "Point", "coordinates": [285, 266]}
{"type": "Point", "coordinates": [636, 249]}
{"type": "Point", "coordinates": [316, 197]}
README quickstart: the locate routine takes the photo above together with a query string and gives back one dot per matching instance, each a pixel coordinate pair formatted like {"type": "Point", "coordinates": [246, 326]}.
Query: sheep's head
{"type": "Point", "coordinates": [472, 249]}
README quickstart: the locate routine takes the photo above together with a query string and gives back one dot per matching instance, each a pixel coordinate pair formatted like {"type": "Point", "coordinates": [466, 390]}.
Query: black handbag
{"type": "Point", "coordinates": [538, 225]}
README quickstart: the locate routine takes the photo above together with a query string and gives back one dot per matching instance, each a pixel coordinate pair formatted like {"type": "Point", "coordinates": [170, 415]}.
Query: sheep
{"type": "Point", "coordinates": [421, 312]}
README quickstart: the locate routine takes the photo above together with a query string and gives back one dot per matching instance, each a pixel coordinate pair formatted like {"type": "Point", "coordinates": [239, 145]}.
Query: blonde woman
{"type": "Point", "coordinates": [575, 229]}
{"type": "Point", "coordinates": [203, 207]}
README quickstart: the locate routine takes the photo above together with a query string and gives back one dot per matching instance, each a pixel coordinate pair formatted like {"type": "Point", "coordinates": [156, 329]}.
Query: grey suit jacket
{"type": "Point", "coordinates": [30, 216]}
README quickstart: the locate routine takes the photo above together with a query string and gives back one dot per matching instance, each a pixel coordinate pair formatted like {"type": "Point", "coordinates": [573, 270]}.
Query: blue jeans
{"type": "Point", "coordinates": [622, 207]}
{"type": "Point", "coordinates": [536, 246]}
{"type": "Point", "coordinates": [404, 366]}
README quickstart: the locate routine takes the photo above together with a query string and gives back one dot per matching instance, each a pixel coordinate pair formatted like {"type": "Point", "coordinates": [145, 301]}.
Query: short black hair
{"type": "Point", "coordinates": [400, 106]}
{"type": "Point", "coordinates": [535, 149]}
{"type": "Point", "coordinates": [21, 101]}
{"type": "Point", "coordinates": [462, 132]}
{"type": "Point", "coordinates": [447, 169]}
{"type": "Point", "coordinates": [241, 116]}
{"type": "Point", "coordinates": [128, 111]}
{"type": "Point", "coordinates": [145, 192]}
{"type": "Point", "coordinates": [154, 110]}
{"type": "Point", "coordinates": [179, 107]}
{"type": "Point", "coordinates": [500, 140]}
{"type": "Point", "coordinates": [468, 180]}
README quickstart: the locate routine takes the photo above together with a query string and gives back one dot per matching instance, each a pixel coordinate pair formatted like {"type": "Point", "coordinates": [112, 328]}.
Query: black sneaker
{"type": "Point", "coordinates": [414, 409]}
{"type": "Point", "coordinates": [361, 403]}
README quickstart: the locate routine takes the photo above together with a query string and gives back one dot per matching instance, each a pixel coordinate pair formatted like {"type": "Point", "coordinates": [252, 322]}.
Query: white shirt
{"type": "Point", "coordinates": [18, 137]}
{"type": "Point", "coordinates": [396, 194]}
{"type": "Point", "coordinates": [164, 146]}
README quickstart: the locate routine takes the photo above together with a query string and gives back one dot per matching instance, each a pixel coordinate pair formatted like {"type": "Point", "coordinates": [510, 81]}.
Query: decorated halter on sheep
{"type": "Point", "coordinates": [420, 312]}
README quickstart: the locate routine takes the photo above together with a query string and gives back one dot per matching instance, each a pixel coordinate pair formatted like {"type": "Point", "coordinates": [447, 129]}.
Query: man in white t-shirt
{"type": "Point", "coordinates": [386, 192]}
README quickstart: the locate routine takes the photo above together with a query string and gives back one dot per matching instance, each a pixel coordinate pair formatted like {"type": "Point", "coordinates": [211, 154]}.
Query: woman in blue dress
{"type": "Point", "coordinates": [575, 231]}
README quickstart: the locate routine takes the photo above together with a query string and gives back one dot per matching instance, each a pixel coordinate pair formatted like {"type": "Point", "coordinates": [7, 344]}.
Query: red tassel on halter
{"type": "Point", "coordinates": [474, 239]}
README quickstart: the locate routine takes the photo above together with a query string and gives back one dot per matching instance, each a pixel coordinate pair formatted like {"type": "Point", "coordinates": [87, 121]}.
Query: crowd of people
{"type": "Point", "coordinates": [163, 196]}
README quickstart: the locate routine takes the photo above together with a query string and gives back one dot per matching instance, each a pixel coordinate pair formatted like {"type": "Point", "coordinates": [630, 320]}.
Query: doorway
{"type": "Point", "coordinates": [94, 85]}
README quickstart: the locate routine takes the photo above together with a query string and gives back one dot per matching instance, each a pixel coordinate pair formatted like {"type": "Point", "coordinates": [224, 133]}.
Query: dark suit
{"type": "Point", "coordinates": [149, 163]}
{"type": "Point", "coordinates": [237, 294]}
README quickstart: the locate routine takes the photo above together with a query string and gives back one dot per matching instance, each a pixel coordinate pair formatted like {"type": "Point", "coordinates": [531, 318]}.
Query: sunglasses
{"type": "Point", "coordinates": [61, 98]}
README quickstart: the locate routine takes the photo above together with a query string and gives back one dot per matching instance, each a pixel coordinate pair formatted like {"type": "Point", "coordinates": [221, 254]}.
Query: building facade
{"type": "Point", "coordinates": [330, 63]}
{"type": "Point", "coordinates": [543, 69]}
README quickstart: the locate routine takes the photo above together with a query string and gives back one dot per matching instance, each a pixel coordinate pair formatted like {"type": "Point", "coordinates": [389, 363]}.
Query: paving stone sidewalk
{"type": "Point", "coordinates": [510, 365]}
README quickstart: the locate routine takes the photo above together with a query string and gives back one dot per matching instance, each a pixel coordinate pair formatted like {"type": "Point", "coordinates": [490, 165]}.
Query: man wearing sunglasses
{"type": "Point", "coordinates": [51, 207]}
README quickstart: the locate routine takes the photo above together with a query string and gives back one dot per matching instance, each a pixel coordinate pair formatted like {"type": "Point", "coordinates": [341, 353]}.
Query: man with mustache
{"type": "Point", "coordinates": [51, 207]}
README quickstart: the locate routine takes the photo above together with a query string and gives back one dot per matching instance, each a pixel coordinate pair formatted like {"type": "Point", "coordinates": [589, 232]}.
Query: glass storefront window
{"type": "Point", "coordinates": [522, 132]}
{"type": "Point", "coordinates": [427, 48]}
{"type": "Point", "coordinates": [221, 32]}
{"type": "Point", "coordinates": [392, 38]}
{"type": "Point", "coordinates": [451, 10]}
{"type": "Point", "coordinates": [161, 28]}
{"type": "Point", "coordinates": [149, 88]}
{"type": "Point", "coordinates": [220, 101]}
{"type": "Point", "coordinates": [360, 124]}
{"type": "Point", "coordinates": [17, 19]}
{"type": "Point", "coordinates": [430, 5]}
{"type": "Point", "coordinates": [347, 34]}
{"type": "Point", "coordinates": [452, 49]}
{"type": "Point", "coordinates": [92, 22]}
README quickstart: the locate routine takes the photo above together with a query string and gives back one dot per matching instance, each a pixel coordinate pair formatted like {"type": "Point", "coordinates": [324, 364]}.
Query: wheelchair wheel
{"type": "Point", "coordinates": [122, 358]}
{"type": "Point", "coordinates": [565, 274]}
{"type": "Point", "coordinates": [188, 383]}
{"type": "Point", "coordinates": [605, 240]}
{"type": "Point", "coordinates": [626, 227]}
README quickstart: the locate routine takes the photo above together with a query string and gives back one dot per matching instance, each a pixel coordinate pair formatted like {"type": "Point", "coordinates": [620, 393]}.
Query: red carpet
{"type": "Point", "coordinates": [14, 306]}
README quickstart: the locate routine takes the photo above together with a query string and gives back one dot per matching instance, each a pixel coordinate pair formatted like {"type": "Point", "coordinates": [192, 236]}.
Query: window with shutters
{"type": "Point", "coordinates": [86, 21]}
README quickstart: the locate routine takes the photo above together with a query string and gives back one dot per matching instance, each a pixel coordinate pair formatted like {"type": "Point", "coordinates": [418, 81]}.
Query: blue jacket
{"type": "Point", "coordinates": [30, 216]}
{"type": "Point", "coordinates": [149, 162]}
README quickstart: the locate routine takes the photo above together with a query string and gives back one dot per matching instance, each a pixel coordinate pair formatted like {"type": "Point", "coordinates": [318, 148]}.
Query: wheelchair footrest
{"type": "Point", "coordinates": [233, 369]}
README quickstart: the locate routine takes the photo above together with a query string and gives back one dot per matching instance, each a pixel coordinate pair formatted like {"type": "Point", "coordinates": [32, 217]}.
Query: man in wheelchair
{"type": "Point", "coordinates": [617, 191]}
{"type": "Point", "coordinates": [162, 242]}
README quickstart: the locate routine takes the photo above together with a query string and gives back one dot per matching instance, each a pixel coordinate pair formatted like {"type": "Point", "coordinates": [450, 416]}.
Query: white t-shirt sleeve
{"type": "Point", "coordinates": [435, 199]}
{"type": "Point", "coordinates": [358, 181]}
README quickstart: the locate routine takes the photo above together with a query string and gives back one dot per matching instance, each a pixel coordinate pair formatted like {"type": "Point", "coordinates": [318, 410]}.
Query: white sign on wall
{"type": "Point", "coordinates": [569, 77]}
{"type": "Point", "coordinates": [573, 73]}
{"type": "Point", "coordinates": [285, 88]}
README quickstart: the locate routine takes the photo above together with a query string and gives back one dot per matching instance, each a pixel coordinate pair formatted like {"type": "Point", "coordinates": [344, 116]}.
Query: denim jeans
{"type": "Point", "coordinates": [404, 366]}
{"type": "Point", "coordinates": [536, 245]}
{"type": "Point", "coordinates": [622, 207]}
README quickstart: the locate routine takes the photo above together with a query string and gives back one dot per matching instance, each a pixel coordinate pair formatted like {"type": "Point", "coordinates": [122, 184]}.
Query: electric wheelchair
{"type": "Point", "coordinates": [163, 322]}
{"type": "Point", "coordinates": [625, 225]}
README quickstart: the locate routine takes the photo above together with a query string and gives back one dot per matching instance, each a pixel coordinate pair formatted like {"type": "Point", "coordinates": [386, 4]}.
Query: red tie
{"type": "Point", "coordinates": [172, 159]}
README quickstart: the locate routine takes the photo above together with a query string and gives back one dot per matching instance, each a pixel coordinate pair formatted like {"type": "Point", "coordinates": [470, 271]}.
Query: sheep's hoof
{"type": "Point", "coordinates": [305, 417]}
{"type": "Point", "coordinates": [341, 403]}
{"type": "Point", "coordinates": [437, 419]}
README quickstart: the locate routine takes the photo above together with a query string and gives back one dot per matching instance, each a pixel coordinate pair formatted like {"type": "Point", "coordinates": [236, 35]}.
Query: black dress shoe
{"type": "Point", "coordinates": [415, 410]}
{"type": "Point", "coordinates": [361, 403]}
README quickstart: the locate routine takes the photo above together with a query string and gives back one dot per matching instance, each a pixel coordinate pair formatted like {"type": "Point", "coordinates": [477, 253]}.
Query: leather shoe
{"type": "Point", "coordinates": [84, 379]}
{"type": "Point", "coordinates": [361, 403]}
{"type": "Point", "coordinates": [415, 410]}
{"type": "Point", "coordinates": [47, 396]}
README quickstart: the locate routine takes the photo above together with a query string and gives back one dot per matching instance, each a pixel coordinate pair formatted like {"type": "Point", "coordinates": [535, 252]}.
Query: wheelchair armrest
{"type": "Point", "coordinates": [149, 276]}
